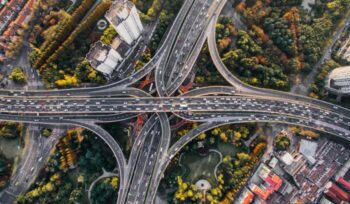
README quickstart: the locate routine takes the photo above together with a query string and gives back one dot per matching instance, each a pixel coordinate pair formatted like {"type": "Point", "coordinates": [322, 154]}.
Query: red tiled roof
{"type": "Point", "coordinates": [248, 198]}
{"type": "Point", "coordinates": [274, 181]}
{"type": "Point", "coordinates": [337, 191]}
{"type": "Point", "coordinates": [344, 183]}
{"type": "Point", "coordinates": [332, 196]}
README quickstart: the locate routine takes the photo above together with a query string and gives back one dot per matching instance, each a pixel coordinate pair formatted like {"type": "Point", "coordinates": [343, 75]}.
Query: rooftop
{"type": "Point", "coordinates": [340, 73]}
{"type": "Point", "coordinates": [308, 149]}
{"type": "Point", "coordinates": [119, 11]}
{"type": "Point", "coordinates": [120, 46]}
{"type": "Point", "coordinates": [97, 54]}
{"type": "Point", "coordinates": [339, 80]}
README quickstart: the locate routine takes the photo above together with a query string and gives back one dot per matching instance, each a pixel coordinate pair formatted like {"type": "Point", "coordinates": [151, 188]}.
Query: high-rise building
{"type": "Point", "coordinates": [124, 18]}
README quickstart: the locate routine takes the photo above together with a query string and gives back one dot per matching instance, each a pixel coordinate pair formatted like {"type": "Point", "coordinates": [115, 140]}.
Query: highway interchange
{"type": "Point", "coordinates": [141, 173]}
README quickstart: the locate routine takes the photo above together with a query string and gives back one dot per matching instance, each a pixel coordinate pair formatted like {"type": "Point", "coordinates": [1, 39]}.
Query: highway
{"type": "Point", "coordinates": [115, 148]}
{"type": "Point", "coordinates": [80, 107]}
{"type": "Point", "coordinates": [144, 166]}
{"type": "Point", "coordinates": [141, 173]}
{"type": "Point", "coordinates": [34, 158]}
{"type": "Point", "coordinates": [243, 88]}
{"type": "Point", "coordinates": [177, 63]}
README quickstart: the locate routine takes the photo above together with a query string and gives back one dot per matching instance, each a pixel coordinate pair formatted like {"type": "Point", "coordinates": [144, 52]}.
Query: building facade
{"type": "Point", "coordinates": [124, 18]}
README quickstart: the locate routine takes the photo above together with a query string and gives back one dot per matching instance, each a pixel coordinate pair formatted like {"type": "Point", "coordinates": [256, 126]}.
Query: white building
{"type": "Point", "coordinates": [308, 149]}
{"type": "Point", "coordinates": [338, 81]}
{"type": "Point", "coordinates": [124, 18]}
{"type": "Point", "coordinates": [106, 58]}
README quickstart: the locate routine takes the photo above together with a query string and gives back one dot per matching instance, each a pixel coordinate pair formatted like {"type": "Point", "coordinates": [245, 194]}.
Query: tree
{"type": "Point", "coordinates": [100, 9]}
{"type": "Point", "coordinates": [64, 27]}
{"type": "Point", "coordinates": [75, 196]}
{"type": "Point", "coordinates": [243, 156]}
{"type": "Point", "coordinates": [309, 133]}
{"type": "Point", "coordinates": [10, 129]}
{"type": "Point", "coordinates": [46, 132]}
{"type": "Point", "coordinates": [202, 136]}
{"type": "Point", "coordinates": [103, 192]}
{"type": "Point", "coordinates": [17, 75]}
{"type": "Point", "coordinates": [282, 142]}
{"type": "Point", "coordinates": [237, 135]}
{"type": "Point", "coordinates": [279, 32]}
{"type": "Point", "coordinates": [223, 137]}
{"type": "Point", "coordinates": [67, 81]}
{"type": "Point", "coordinates": [85, 73]}
{"type": "Point", "coordinates": [108, 35]}
{"type": "Point", "coordinates": [259, 148]}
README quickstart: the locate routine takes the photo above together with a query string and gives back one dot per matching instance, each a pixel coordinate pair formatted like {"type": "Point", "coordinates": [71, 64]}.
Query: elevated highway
{"type": "Point", "coordinates": [214, 106]}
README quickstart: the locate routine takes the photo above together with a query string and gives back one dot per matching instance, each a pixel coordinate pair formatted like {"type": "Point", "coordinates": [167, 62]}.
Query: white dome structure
{"type": "Point", "coordinates": [203, 185]}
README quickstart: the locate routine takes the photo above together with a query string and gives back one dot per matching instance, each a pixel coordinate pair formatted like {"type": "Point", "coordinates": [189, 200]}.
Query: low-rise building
{"type": "Point", "coordinates": [246, 197]}
{"type": "Point", "coordinates": [308, 150]}
{"type": "Point", "coordinates": [309, 180]}
{"type": "Point", "coordinates": [338, 82]}
{"type": "Point", "coordinates": [10, 12]}
{"type": "Point", "coordinates": [293, 162]}
{"type": "Point", "coordinates": [12, 18]}
{"type": "Point", "coordinates": [336, 193]}
{"type": "Point", "coordinates": [265, 182]}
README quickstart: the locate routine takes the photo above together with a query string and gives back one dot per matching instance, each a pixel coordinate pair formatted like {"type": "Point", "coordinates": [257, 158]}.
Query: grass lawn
{"type": "Point", "coordinates": [226, 148]}
{"type": "Point", "coordinates": [9, 147]}
{"type": "Point", "coordinates": [199, 167]}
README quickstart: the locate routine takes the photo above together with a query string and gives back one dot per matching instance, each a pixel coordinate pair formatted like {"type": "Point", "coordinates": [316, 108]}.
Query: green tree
{"type": "Point", "coordinates": [103, 192]}
{"type": "Point", "coordinates": [75, 196]}
{"type": "Point", "coordinates": [17, 75]}
{"type": "Point", "coordinates": [108, 35]}
{"type": "Point", "coordinates": [282, 142]}
{"type": "Point", "coordinates": [10, 129]}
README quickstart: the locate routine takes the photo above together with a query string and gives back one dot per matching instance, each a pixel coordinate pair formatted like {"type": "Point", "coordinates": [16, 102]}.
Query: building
{"type": "Point", "coordinates": [324, 201]}
{"type": "Point", "coordinates": [265, 182]}
{"type": "Point", "coordinates": [273, 162]}
{"type": "Point", "coordinates": [13, 16]}
{"type": "Point", "coordinates": [106, 58]}
{"type": "Point", "coordinates": [293, 162]}
{"type": "Point", "coordinates": [9, 12]}
{"type": "Point", "coordinates": [308, 149]}
{"type": "Point", "coordinates": [338, 82]}
{"type": "Point", "coordinates": [124, 18]}
{"type": "Point", "coordinates": [306, 183]}
{"type": "Point", "coordinates": [336, 193]}
{"type": "Point", "coordinates": [246, 197]}
{"type": "Point", "coordinates": [344, 183]}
